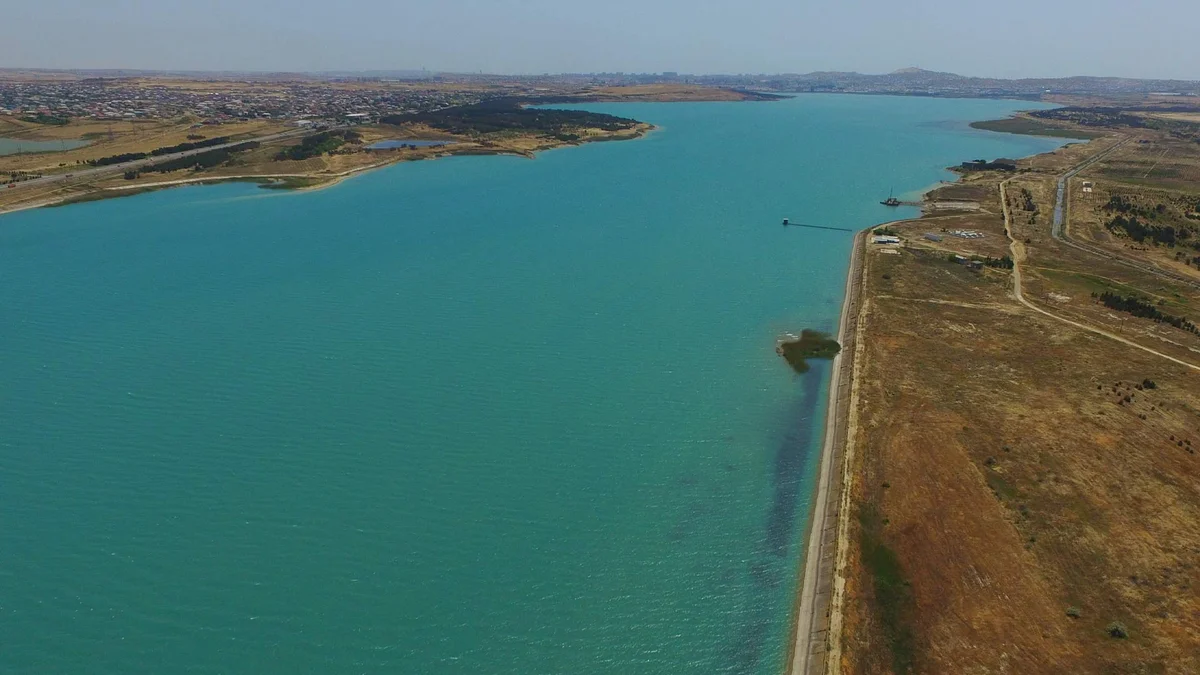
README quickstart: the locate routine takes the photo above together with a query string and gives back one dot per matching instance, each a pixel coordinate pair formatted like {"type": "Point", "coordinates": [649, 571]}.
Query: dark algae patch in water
{"type": "Point", "coordinates": [811, 344]}
{"type": "Point", "coordinates": [769, 569]}
{"type": "Point", "coordinates": [508, 115]}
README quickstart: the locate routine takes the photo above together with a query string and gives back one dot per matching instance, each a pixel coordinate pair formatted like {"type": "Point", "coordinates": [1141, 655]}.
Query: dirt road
{"type": "Point", "coordinates": [1018, 256]}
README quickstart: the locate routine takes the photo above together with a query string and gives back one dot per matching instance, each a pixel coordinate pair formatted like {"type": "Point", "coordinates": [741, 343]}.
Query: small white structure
{"type": "Point", "coordinates": [1087, 186]}
{"type": "Point", "coordinates": [967, 234]}
{"type": "Point", "coordinates": [885, 239]}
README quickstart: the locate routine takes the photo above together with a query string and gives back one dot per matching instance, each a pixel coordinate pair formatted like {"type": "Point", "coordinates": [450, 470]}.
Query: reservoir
{"type": "Point", "coordinates": [12, 146]}
{"type": "Point", "coordinates": [472, 415]}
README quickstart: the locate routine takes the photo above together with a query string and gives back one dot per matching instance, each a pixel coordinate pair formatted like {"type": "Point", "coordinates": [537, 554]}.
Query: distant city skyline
{"type": "Point", "coordinates": [1019, 38]}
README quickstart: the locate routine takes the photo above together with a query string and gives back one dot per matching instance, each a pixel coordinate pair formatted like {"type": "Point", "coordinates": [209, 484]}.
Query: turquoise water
{"type": "Point", "coordinates": [12, 146]}
{"type": "Point", "coordinates": [473, 415]}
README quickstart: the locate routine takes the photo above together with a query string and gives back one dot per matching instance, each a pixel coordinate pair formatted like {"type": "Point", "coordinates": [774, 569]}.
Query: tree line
{"type": "Point", "coordinates": [1092, 117]}
{"type": "Point", "coordinates": [1122, 204]}
{"type": "Point", "coordinates": [184, 147]}
{"type": "Point", "coordinates": [196, 162]}
{"type": "Point", "coordinates": [1140, 231]}
{"type": "Point", "coordinates": [157, 152]}
{"type": "Point", "coordinates": [984, 165]}
{"type": "Point", "coordinates": [1143, 309]}
{"type": "Point", "coordinates": [509, 115]}
{"type": "Point", "coordinates": [319, 144]}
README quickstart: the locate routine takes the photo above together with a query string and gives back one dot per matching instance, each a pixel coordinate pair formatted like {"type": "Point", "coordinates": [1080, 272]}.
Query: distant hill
{"type": "Point", "coordinates": [921, 71]}
{"type": "Point", "coordinates": [910, 81]}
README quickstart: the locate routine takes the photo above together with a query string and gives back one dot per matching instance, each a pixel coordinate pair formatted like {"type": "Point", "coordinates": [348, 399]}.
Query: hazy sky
{"type": "Point", "coordinates": [1007, 38]}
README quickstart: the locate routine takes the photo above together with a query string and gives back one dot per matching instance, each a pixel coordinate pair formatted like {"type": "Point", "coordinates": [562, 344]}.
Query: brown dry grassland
{"type": "Point", "coordinates": [113, 138]}
{"type": "Point", "coordinates": [1019, 488]}
{"type": "Point", "coordinates": [1150, 170]}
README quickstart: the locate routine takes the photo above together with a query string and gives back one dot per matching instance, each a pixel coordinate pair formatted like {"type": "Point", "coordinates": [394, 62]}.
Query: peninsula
{"type": "Point", "coordinates": [136, 156]}
{"type": "Point", "coordinates": [298, 132]}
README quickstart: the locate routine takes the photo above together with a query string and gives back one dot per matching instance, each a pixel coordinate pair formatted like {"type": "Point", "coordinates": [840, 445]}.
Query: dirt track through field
{"type": "Point", "coordinates": [1018, 256]}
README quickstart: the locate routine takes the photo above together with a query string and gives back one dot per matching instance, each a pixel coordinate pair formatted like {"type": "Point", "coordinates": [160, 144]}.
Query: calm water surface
{"type": "Point", "coordinates": [478, 415]}
{"type": "Point", "coordinates": [12, 146]}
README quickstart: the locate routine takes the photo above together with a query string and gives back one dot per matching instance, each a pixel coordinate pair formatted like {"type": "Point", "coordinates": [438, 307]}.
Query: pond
{"type": "Point", "coordinates": [13, 146]}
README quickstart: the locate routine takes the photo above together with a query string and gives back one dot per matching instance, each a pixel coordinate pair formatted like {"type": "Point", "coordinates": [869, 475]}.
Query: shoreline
{"type": "Point", "coordinates": [810, 644]}
{"type": "Point", "coordinates": [321, 181]}
{"type": "Point", "coordinates": [328, 180]}
{"type": "Point", "coordinates": [824, 553]}
{"type": "Point", "coordinates": [815, 582]}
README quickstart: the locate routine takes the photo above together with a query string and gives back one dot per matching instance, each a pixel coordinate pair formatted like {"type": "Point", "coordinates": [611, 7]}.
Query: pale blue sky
{"type": "Point", "coordinates": [1006, 38]}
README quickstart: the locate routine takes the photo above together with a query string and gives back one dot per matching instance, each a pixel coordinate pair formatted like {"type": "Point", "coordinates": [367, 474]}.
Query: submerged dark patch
{"type": "Point", "coordinates": [768, 570]}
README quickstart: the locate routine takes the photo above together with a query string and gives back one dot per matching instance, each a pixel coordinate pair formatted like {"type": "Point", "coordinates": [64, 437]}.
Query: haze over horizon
{"type": "Point", "coordinates": [1019, 38]}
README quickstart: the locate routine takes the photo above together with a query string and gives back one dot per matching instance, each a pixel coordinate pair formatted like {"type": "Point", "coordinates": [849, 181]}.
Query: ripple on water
{"type": "Point", "coordinates": [472, 415]}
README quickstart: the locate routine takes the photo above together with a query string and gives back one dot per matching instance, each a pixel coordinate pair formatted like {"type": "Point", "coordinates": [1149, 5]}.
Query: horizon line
{"type": "Point", "coordinates": [457, 73]}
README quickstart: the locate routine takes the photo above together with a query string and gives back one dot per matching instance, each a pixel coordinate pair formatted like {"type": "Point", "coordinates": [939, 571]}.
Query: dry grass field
{"type": "Point", "coordinates": [1159, 177]}
{"type": "Point", "coordinates": [114, 138]}
{"type": "Point", "coordinates": [1025, 491]}
{"type": "Point", "coordinates": [1192, 117]}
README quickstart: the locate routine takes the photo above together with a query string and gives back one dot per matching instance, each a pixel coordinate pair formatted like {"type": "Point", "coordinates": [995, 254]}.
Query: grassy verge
{"type": "Point", "coordinates": [290, 183]}
{"type": "Point", "coordinates": [1090, 283]}
{"type": "Point", "coordinates": [98, 195]}
{"type": "Point", "coordinates": [267, 183]}
{"type": "Point", "coordinates": [893, 599]}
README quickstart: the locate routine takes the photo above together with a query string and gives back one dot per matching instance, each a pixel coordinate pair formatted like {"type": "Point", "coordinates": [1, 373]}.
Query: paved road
{"type": "Point", "coordinates": [1060, 204]}
{"type": "Point", "coordinates": [1018, 256]}
{"type": "Point", "coordinates": [98, 171]}
{"type": "Point", "coordinates": [1061, 232]}
{"type": "Point", "coordinates": [809, 631]}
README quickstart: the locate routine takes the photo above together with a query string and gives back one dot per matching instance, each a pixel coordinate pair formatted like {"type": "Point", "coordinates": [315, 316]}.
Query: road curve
{"type": "Point", "coordinates": [1018, 256]}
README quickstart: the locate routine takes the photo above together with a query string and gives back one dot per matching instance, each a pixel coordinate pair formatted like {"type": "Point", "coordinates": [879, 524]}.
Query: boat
{"type": "Point", "coordinates": [891, 200]}
{"type": "Point", "coordinates": [786, 222]}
